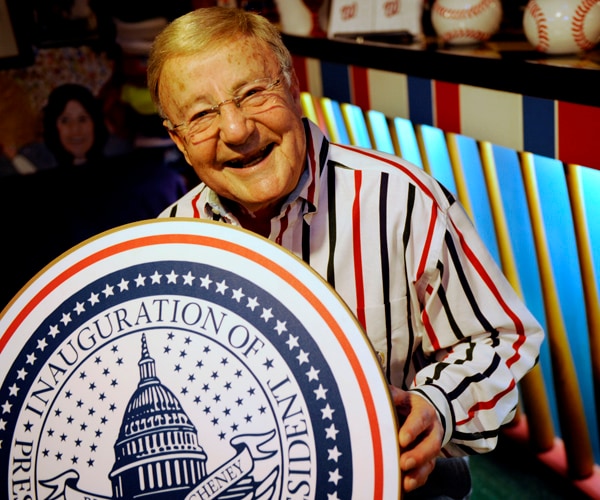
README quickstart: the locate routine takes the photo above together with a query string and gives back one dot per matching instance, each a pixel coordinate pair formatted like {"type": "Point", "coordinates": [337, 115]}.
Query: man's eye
{"type": "Point", "coordinates": [202, 117]}
{"type": "Point", "coordinates": [202, 114]}
{"type": "Point", "coordinates": [252, 92]}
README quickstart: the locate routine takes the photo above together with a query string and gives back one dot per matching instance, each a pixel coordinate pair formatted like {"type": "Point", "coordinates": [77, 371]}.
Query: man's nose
{"type": "Point", "coordinates": [235, 126]}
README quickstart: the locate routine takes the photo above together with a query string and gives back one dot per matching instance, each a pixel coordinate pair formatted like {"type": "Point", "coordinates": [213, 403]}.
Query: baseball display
{"type": "Point", "coordinates": [562, 26]}
{"type": "Point", "coordinates": [462, 22]}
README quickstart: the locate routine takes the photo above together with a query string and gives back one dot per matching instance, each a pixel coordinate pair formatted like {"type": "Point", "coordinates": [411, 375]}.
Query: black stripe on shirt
{"type": "Point", "coordinates": [410, 205]}
{"type": "Point", "coordinates": [486, 325]}
{"type": "Point", "coordinates": [332, 223]}
{"type": "Point", "coordinates": [385, 268]}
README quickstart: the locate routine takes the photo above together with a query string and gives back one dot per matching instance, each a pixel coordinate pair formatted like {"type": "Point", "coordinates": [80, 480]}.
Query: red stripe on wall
{"type": "Point", "coordinates": [447, 106]}
{"type": "Point", "coordinates": [578, 127]}
{"type": "Point", "coordinates": [360, 87]}
{"type": "Point", "coordinates": [299, 63]}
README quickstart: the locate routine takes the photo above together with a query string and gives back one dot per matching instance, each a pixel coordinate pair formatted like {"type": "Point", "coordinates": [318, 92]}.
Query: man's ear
{"type": "Point", "coordinates": [295, 85]}
{"type": "Point", "coordinates": [295, 89]}
{"type": "Point", "coordinates": [180, 144]}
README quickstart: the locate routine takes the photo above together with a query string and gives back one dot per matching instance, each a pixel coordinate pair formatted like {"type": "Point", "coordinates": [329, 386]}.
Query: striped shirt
{"type": "Point", "coordinates": [405, 257]}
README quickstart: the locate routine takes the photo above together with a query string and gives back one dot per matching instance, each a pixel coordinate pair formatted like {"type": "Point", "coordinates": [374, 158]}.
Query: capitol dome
{"type": "Point", "coordinates": [157, 451]}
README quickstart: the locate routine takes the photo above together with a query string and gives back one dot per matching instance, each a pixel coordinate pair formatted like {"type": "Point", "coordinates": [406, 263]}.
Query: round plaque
{"type": "Point", "coordinates": [181, 359]}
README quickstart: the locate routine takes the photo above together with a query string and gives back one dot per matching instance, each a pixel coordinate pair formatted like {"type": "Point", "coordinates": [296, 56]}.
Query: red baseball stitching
{"type": "Point", "coordinates": [466, 33]}
{"type": "Point", "coordinates": [542, 27]}
{"type": "Point", "coordinates": [578, 24]}
{"type": "Point", "coordinates": [462, 13]}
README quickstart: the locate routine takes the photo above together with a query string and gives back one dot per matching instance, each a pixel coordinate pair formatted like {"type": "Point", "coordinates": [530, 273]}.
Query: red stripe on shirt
{"type": "Point", "coordinates": [486, 405]}
{"type": "Point", "coordinates": [427, 245]}
{"type": "Point", "coordinates": [356, 239]}
{"type": "Point", "coordinates": [427, 324]}
{"type": "Point", "coordinates": [195, 205]}
{"type": "Point", "coordinates": [284, 225]}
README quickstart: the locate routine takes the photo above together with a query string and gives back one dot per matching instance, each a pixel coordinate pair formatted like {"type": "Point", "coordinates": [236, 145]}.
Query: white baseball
{"type": "Point", "coordinates": [562, 26]}
{"type": "Point", "coordinates": [462, 22]}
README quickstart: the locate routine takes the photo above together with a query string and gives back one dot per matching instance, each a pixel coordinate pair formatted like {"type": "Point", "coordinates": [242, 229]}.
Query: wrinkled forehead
{"type": "Point", "coordinates": [204, 78]}
{"type": "Point", "coordinates": [234, 58]}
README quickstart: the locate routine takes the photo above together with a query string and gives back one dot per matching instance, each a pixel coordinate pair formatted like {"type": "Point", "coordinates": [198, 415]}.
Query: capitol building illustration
{"type": "Point", "coordinates": [157, 452]}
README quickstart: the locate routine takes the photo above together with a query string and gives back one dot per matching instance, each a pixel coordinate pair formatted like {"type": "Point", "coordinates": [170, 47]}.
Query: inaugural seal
{"type": "Point", "coordinates": [189, 360]}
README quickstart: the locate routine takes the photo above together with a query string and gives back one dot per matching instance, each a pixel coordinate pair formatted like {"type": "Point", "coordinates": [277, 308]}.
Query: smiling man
{"type": "Point", "coordinates": [453, 337]}
{"type": "Point", "coordinates": [240, 127]}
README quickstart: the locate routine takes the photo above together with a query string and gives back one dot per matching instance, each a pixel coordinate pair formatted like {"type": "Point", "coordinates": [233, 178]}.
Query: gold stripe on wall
{"type": "Point", "coordinates": [459, 173]}
{"type": "Point", "coordinates": [573, 425]}
{"type": "Point", "coordinates": [533, 389]}
{"type": "Point", "coordinates": [588, 279]}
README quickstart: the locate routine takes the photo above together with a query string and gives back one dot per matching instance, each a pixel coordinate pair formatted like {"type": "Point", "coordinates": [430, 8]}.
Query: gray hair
{"type": "Point", "coordinates": [203, 30]}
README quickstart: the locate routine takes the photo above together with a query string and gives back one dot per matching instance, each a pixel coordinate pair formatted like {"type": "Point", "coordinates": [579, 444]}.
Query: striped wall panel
{"type": "Point", "coordinates": [555, 129]}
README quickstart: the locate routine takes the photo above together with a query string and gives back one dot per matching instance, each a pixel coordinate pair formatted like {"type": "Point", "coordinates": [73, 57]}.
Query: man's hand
{"type": "Point", "coordinates": [420, 437]}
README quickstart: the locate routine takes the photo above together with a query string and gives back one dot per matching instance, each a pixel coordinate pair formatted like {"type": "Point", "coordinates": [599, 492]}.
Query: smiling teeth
{"type": "Point", "coordinates": [250, 161]}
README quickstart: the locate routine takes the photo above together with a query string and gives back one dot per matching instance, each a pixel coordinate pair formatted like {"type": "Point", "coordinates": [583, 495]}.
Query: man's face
{"type": "Point", "coordinates": [253, 158]}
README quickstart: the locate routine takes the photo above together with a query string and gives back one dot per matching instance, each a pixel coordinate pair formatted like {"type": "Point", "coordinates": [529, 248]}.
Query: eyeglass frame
{"type": "Point", "coordinates": [235, 100]}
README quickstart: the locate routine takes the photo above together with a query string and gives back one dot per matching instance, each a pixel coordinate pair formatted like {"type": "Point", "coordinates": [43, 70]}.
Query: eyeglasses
{"type": "Point", "coordinates": [251, 99]}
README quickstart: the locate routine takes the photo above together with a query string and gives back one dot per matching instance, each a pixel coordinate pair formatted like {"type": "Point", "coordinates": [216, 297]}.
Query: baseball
{"type": "Point", "coordinates": [462, 22]}
{"type": "Point", "coordinates": [562, 26]}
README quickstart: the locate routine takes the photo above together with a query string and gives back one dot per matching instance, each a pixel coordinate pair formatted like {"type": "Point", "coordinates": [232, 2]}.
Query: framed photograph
{"type": "Point", "coordinates": [15, 44]}
{"type": "Point", "coordinates": [381, 16]}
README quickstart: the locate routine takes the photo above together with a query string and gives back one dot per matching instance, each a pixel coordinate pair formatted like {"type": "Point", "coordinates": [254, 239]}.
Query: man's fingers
{"type": "Point", "coordinates": [418, 423]}
{"type": "Point", "coordinates": [414, 478]}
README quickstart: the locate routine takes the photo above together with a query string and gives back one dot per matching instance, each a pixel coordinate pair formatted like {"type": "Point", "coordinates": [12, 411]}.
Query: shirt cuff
{"type": "Point", "coordinates": [438, 399]}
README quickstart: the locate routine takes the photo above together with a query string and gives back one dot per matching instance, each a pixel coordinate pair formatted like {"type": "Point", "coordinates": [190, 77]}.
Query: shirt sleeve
{"type": "Point", "coordinates": [479, 337]}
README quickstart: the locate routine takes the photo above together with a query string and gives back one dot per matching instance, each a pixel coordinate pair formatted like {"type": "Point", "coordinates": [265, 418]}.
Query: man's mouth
{"type": "Point", "coordinates": [249, 161]}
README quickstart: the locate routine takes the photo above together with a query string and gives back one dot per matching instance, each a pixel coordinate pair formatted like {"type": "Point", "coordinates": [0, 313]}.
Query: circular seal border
{"type": "Point", "coordinates": [114, 249]}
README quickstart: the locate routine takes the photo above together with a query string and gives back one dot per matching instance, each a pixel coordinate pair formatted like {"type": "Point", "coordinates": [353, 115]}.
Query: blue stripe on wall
{"type": "Point", "coordinates": [336, 81]}
{"type": "Point", "coordinates": [516, 208]}
{"type": "Point", "coordinates": [538, 126]}
{"type": "Point", "coordinates": [478, 193]}
{"type": "Point", "coordinates": [420, 100]}
{"type": "Point", "coordinates": [560, 234]}
{"type": "Point", "coordinates": [590, 185]}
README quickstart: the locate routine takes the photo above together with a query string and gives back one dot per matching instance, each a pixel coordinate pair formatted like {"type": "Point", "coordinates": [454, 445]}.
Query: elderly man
{"type": "Point", "coordinates": [453, 337]}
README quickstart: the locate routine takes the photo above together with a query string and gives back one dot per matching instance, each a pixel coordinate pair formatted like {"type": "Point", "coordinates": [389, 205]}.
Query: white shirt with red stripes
{"type": "Point", "coordinates": [406, 259]}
